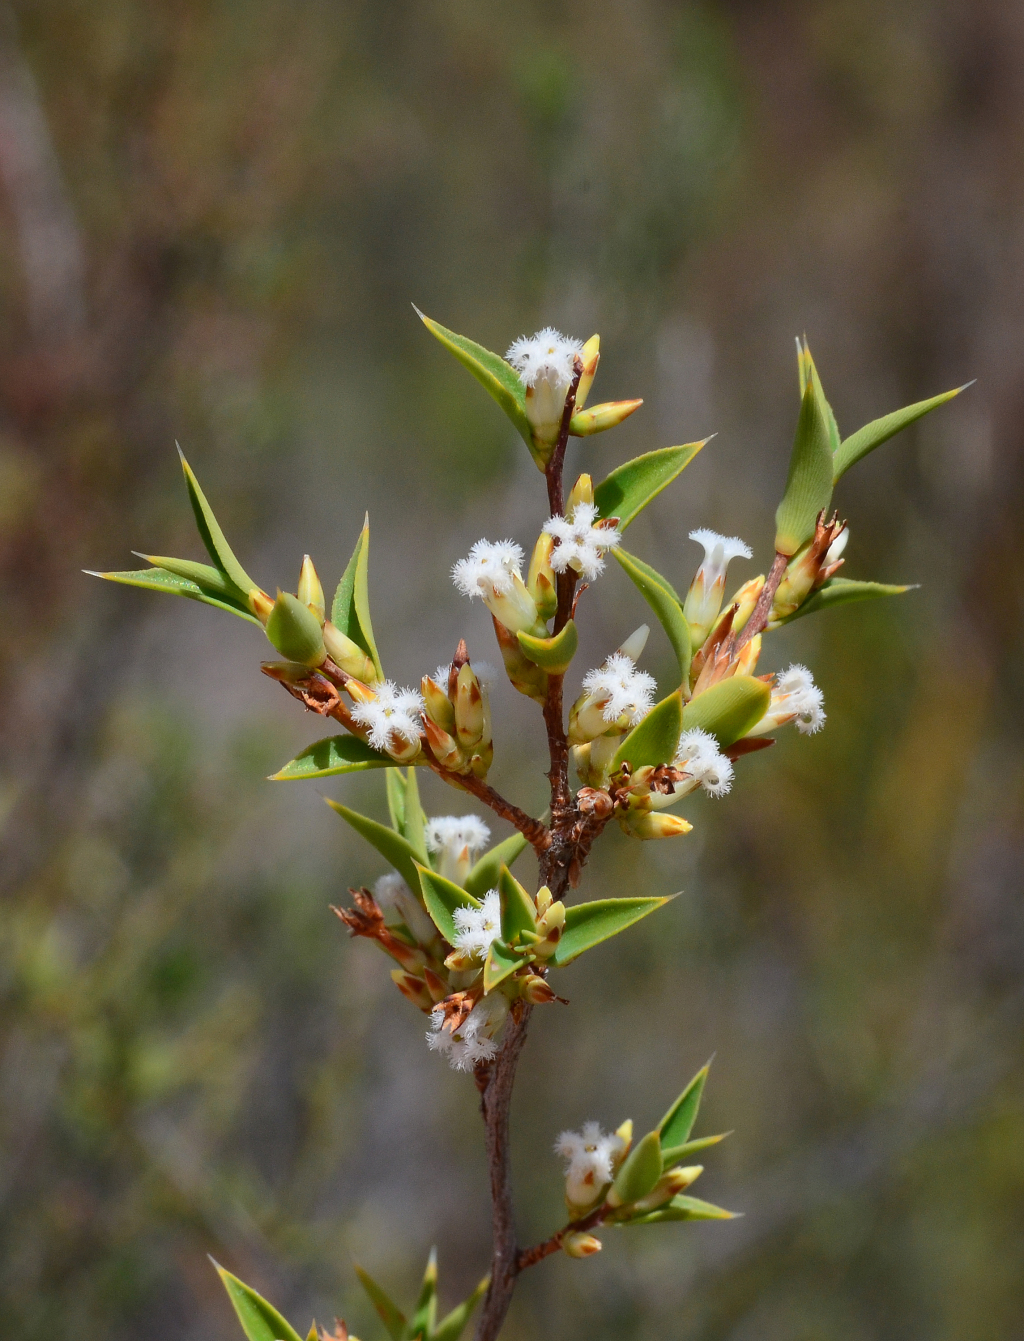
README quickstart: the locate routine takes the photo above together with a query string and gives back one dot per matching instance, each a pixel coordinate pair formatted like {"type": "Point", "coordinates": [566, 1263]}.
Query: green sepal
{"type": "Point", "coordinates": [631, 486]}
{"type": "Point", "coordinates": [728, 709]}
{"type": "Point", "coordinates": [501, 961]}
{"type": "Point", "coordinates": [422, 1325]}
{"type": "Point", "coordinates": [335, 754]}
{"type": "Point", "coordinates": [390, 1314]}
{"type": "Point", "coordinates": [214, 581]}
{"type": "Point", "coordinates": [391, 846]}
{"type": "Point", "coordinates": [350, 610]}
{"type": "Point", "coordinates": [684, 1208]}
{"type": "Point", "coordinates": [656, 739]}
{"type": "Point", "coordinates": [441, 897]}
{"type": "Point", "coordinates": [295, 631]}
{"type": "Point", "coordinates": [844, 591]}
{"type": "Point", "coordinates": [673, 1154]}
{"type": "Point", "coordinates": [496, 376]}
{"type": "Point", "coordinates": [484, 875]}
{"type": "Point", "coordinates": [518, 911]}
{"type": "Point", "coordinates": [553, 655]}
{"type": "Point", "coordinates": [212, 536]}
{"type": "Point", "coordinates": [260, 1320]}
{"type": "Point", "coordinates": [588, 924]}
{"type": "Point", "coordinates": [872, 435]}
{"type": "Point", "coordinates": [159, 579]}
{"type": "Point", "coordinates": [663, 601]}
{"type": "Point", "coordinates": [451, 1327]}
{"type": "Point", "coordinates": [640, 1171]}
{"type": "Point", "coordinates": [809, 483]}
{"type": "Point", "coordinates": [675, 1127]}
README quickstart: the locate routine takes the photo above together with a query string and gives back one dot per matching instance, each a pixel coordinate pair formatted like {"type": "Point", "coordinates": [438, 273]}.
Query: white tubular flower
{"type": "Point", "coordinates": [795, 698]}
{"type": "Point", "coordinates": [589, 1161]}
{"type": "Point", "coordinates": [493, 571]}
{"type": "Point", "coordinates": [474, 1040]}
{"type": "Point", "coordinates": [392, 715]}
{"type": "Point", "coordinates": [476, 928]}
{"type": "Point", "coordinates": [457, 839]}
{"type": "Point", "coordinates": [617, 690]}
{"type": "Point", "coordinates": [704, 599]}
{"type": "Point", "coordinates": [698, 754]}
{"type": "Point", "coordinates": [544, 363]}
{"type": "Point", "coordinates": [835, 550]}
{"type": "Point", "coordinates": [399, 904]}
{"type": "Point", "coordinates": [581, 541]}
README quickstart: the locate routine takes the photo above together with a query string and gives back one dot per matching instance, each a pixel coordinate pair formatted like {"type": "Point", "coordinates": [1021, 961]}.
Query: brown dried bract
{"type": "Point", "coordinates": [457, 1008]}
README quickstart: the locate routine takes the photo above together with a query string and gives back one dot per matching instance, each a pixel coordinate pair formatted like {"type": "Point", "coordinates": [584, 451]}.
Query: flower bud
{"type": "Point", "coordinates": [444, 747]}
{"type": "Point", "coordinates": [523, 675]}
{"type": "Point", "coordinates": [582, 492]}
{"type": "Point", "coordinates": [439, 707]}
{"type": "Point", "coordinates": [469, 708]}
{"type": "Point", "coordinates": [260, 604]}
{"type": "Point", "coordinates": [295, 631]}
{"type": "Point", "coordinates": [636, 642]}
{"type": "Point", "coordinates": [590, 357]}
{"type": "Point", "coordinates": [744, 600]}
{"type": "Point", "coordinates": [625, 1135]}
{"type": "Point", "coordinates": [668, 1186]}
{"type": "Point", "coordinates": [413, 989]}
{"type": "Point", "coordinates": [746, 662]}
{"type": "Point", "coordinates": [540, 580]}
{"type": "Point", "coordinates": [534, 988]}
{"type": "Point", "coordinates": [481, 760]}
{"type": "Point", "coordinates": [596, 420]}
{"type": "Point", "coordinates": [348, 655]}
{"type": "Point", "coordinates": [648, 824]}
{"type": "Point", "coordinates": [309, 590]}
{"type": "Point", "coordinates": [581, 1245]}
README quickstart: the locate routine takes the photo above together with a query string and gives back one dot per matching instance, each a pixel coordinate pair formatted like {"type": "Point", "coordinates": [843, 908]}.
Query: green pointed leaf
{"type": "Point", "coordinates": [260, 1320]}
{"type": "Point", "coordinates": [588, 924]}
{"type": "Point", "coordinates": [809, 483]}
{"type": "Point", "coordinates": [392, 846]}
{"type": "Point", "coordinates": [844, 591]}
{"type": "Point", "coordinates": [333, 755]}
{"type": "Point", "coordinates": [211, 580]}
{"type": "Point", "coordinates": [684, 1208]}
{"type": "Point", "coordinates": [350, 610]}
{"type": "Point", "coordinates": [212, 536]}
{"type": "Point", "coordinates": [496, 376]}
{"type": "Point", "coordinates": [675, 1127]}
{"type": "Point", "coordinates": [640, 1170]}
{"type": "Point", "coordinates": [656, 739]}
{"type": "Point", "coordinates": [441, 898]}
{"type": "Point", "coordinates": [391, 1316]}
{"type": "Point", "coordinates": [674, 1154]}
{"type": "Point", "coordinates": [484, 875]}
{"type": "Point", "coordinates": [872, 435]}
{"type": "Point", "coordinates": [451, 1327]}
{"type": "Point", "coordinates": [415, 820]}
{"type": "Point", "coordinates": [518, 911]}
{"type": "Point", "coordinates": [665, 604]}
{"type": "Point", "coordinates": [424, 1318]}
{"type": "Point", "coordinates": [311, 1334]}
{"type": "Point", "coordinates": [728, 709]}
{"type": "Point", "coordinates": [551, 654]}
{"type": "Point", "coordinates": [501, 962]}
{"type": "Point", "coordinates": [630, 487]}
{"type": "Point", "coordinates": [394, 781]}
{"type": "Point", "coordinates": [159, 579]}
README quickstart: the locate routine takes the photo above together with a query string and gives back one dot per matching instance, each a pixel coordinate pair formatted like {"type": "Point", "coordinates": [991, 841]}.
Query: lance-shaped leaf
{"type": "Point", "coordinates": [656, 739]}
{"type": "Point", "coordinates": [350, 610]}
{"type": "Point", "coordinates": [640, 1171]}
{"type": "Point", "coordinates": [394, 782]}
{"type": "Point", "coordinates": [159, 579]}
{"type": "Point", "coordinates": [422, 1325]}
{"type": "Point", "coordinates": [484, 875]}
{"type": "Point", "coordinates": [845, 591]}
{"type": "Point", "coordinates": [407, 817]}
{"type": "Point", "coordinates": [331, 756]}
{"type": "Point", "coordinates": [212, 536]}
{"type": "Point", "coordinates": [496, 376]}
{"type": "Point", "coordinates": [674, 1153]}
{"type": "Point", "coordinates": [214, 581]}
{"type": "Point", "coordinates": [663, 601]}
{"type": "Point", "coordinates": [675, 1127]}
{"type": "Point", "coordinates": [872, 435]}
{"type": "Point", "coordinates": [391, 846]}
{"type": "Point", "coordinates": [588, 924]}
{"type": "Point", "coordinates": [500, 962]}
{"type": "Point", "coordinates": [684, 1208]}
{"type": "Point", "coordinates": [630, 487]}
{"type": "Point", "coordinates": [391, 1316]}
{"type": "Point", "coordinates": [551, 654]}
{"type": "Point", "coordinates": [451, 1327]}
{"type": "Point", "coordinates": [260, 1320]}
{"type": "Point", "coordinates": [728, 709]}
{"type": "Point", "coordinates": [601, 417]}
{"type": "Point", "coordinates": [518, 911]}
{"type": "Point", "coordinates": [809, 483]}
{"type": "Point", "coordinates": [442, 897]}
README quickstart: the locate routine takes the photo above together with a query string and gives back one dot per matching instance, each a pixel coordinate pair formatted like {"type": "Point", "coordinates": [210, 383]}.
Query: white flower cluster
{"type": "Point", "coordinates": [474, 1040]}
{"type": "Point", "coordinates": [698, 754]}
{"type": "Point", "coordinates": [589, 1156]}
{"type": "Point", "coordinates": [797, 699]}
{"type": "Point", "coordinates": [392, 712]}
{"type": "Point", "coordinates": [546, 356]}
{"type": "Point", "coordinates": [619, 688]}
{"type": "Point", "coordinates": [476, 928]}
{"type": "Point", "coordinates": [449, 834]}
{"type": "Point", "coordinates": [719, 551]}
{"type": "Point", "coordinates": [489, 569]}
{"type": "Point", "coordinates": [581, 541]}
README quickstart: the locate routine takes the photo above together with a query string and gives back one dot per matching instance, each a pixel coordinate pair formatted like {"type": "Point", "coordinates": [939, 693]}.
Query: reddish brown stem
{"type": "Point", "coordinates": [531, 1256]}
{"type": "Point", "coordinates": [535, 832]}
{"type": "Point", "coordinates": [761, 612]}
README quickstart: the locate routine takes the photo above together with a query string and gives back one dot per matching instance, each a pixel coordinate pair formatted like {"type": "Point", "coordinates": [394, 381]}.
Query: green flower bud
{"type": "Point", "coordinates": [295, 631]}
{"type": "Point", "coordinates": [309, 590]}
{"type": "Point", "coordinates": [348, 655]}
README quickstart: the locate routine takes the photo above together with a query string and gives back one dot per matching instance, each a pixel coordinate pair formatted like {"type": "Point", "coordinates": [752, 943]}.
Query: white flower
{"type": "Point", "coordinates": [835, 550]}
{"type": "Point", "coordinates": [493, 571]}
{"type": "Point", "coordinates": [795, 698]}
{"type": "Point", "coordinates": [476, 928]}
{"type": "Point", "coordinates": [457, 839]}
{"type": "Point", "coordinates": [698, 754]}
{"type": "Point", "coordinates": [544, 363]}
{"type": "Point", "coordinates": [704, 599]}
{"type": "Point", "coordinates": [619, 689]}
{"type": "Point", "coordinates": [589, 1161]}
{"type": "Point", "coordinates": [398, 904]}
{"type": "Point", "coordinates": [473, 1041]}
{"type": "Point", "coordinates": [391, 712]}
{"type": "Point", "coordinates": [581, 541]}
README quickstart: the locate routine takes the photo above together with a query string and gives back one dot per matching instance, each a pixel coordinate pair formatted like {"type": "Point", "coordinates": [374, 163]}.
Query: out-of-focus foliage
{"type": "Point", "coordinates": [214, 219]}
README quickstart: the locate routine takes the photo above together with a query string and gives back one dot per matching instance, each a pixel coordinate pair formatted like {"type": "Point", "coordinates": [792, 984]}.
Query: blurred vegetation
{"type": "Point", "coordinates": [213, 218]}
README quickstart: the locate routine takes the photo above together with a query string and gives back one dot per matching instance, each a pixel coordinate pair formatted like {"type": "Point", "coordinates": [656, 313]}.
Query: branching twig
{"type": "Point", "coordinates": [533, 830]}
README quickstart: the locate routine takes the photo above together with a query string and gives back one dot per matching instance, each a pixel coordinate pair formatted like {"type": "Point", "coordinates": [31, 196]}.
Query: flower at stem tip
{"type": "Point", "coordinates": [493, 571]}
{"type": "Point", "coordinates": [591, 1159]}
{"type": "Point", "coordinates": [392, 718]}
{"type": "Point", "coordinates": [704, 599]}
{"type": "Point", "coordinates": [477, 928]}
{"type": "Point", "coordinates": [545, 364]}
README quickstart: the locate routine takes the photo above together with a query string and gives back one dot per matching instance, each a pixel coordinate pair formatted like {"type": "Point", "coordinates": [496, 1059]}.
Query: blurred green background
{"type": "Point", "coordinates": [213, 219]}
